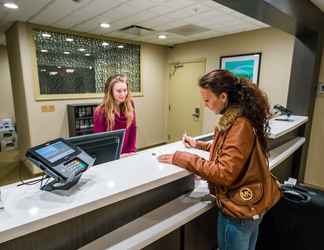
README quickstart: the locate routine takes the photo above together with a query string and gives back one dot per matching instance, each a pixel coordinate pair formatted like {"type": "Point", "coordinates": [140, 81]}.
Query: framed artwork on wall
{"type": "Point", "coordinates": [244, 65]}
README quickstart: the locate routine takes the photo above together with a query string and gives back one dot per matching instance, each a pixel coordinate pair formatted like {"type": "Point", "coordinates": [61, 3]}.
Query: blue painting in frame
{"type": "Point", "coordinates": [244, 65]}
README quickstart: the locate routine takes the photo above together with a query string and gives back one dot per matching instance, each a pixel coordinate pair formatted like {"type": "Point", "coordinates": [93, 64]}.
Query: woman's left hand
{"type": "Point", "coordinates": [167, 158]}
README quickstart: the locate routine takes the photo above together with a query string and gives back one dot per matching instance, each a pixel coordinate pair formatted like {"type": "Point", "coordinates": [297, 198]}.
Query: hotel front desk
{"type": "Point", "coordinates": [131, 203]}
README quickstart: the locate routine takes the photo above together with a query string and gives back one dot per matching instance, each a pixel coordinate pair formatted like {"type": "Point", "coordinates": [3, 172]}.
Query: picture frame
{"type": "Point", "coordinates": [243, 65]}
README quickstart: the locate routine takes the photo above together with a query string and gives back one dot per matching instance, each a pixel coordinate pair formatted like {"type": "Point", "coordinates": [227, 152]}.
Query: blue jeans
{"type": "Point", "coordinates": [237, 234]}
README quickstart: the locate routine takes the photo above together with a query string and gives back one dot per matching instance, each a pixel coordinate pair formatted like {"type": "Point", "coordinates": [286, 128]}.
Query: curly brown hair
{"type": "Point", "coordinates": [241, 92]}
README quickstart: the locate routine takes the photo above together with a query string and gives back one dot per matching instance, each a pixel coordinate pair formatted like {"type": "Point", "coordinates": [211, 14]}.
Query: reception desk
{"type": "Point", "coordinates": [131, 203]}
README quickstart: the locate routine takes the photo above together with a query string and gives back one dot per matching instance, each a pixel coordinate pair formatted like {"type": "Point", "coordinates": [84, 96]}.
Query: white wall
{"type": "Point", "coordinates": [2, 39]}
{"type": "Point", "coordinates": [40, 127]}
{"type": "Point", "coordinates": [314, 172]}
{"type": "Point", "coordinates": [276, 48]}
{"type": "Point", "coordinates": [6, 99]}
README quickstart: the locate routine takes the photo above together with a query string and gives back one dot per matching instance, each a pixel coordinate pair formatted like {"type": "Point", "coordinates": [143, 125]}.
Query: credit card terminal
{"type": "Point", "coordinates": [60, 160]}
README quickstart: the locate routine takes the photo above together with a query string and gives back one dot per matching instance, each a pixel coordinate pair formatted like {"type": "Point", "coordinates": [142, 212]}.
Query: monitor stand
{"type": "Point", "coordinates": [56, 185]}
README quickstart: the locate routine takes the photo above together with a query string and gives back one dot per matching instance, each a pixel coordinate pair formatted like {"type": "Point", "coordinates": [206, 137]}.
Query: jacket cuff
{"type": "Point", "coordinates": [182, 159]}
{"type": "Point", "coordinates": [202, 145]}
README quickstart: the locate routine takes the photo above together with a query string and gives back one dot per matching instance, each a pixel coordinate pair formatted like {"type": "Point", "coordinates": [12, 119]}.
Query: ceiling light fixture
{"type": "Point", "coordinates": [162, 36]}
{"type": "Point", "coordinates": [69, 70]}
{"type": "Point", "coordinates": [69, 39]}
{"type": "Point", "coordinates": [44, 50]}
{"type": "Point", "coordinates": [66, 52]}
{"type": "Point", "coordinates": [81, 49]}
{"type": "Point", "coordinates": [53, 73]}
{"type": "Point", "coordinates": [11, 6]}
{"type": "Point", "coordinates": [105, 44]}
{"type": "Point", "coordinates": [87, 54]}
{"type": "Point", "coordinates": [105, 25]}
{"type": "Point", "coordinates": [46, 35]}
{"type": "Point", "coordinates": [120, 46]}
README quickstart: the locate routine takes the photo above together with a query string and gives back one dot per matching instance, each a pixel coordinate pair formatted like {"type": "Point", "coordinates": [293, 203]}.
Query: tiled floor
{"type": "Point", "coordinates": [11, 168]}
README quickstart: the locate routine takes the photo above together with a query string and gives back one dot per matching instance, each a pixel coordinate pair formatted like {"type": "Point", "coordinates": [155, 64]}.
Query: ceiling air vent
{"type": "Point", "coordinates": [136, 30]}
{"type": "Point", "coordinates": [188, 30]}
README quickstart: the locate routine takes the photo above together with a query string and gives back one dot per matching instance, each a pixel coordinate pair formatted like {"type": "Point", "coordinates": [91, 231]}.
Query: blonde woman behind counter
{"type": "Point", "coordinates": [117, 111]}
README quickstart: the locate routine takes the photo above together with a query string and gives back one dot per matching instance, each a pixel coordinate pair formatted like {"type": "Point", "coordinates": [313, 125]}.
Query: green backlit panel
{"type": "Point", "coordinates": [70, 64]}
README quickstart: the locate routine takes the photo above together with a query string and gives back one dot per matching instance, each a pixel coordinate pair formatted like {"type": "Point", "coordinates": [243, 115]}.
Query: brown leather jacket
{"type": "Point", "coordinates": [237, 170]}
{"type": "Point", "coordinates": [224, 171]}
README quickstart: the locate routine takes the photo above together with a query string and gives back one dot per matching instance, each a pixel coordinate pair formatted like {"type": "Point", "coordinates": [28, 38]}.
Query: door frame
{"type": "Point", "coordinates": [194, 60]}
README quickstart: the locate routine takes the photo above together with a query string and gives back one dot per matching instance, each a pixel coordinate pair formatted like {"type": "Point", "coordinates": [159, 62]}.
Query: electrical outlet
{"type": "Point", "coordinates": [44, 108]}
{"type": "Point", "coordinates": [321, 88]}
{"type": "Point", "coordinates": [48, 108]}
{"type": "Point", "coordinates": [51, 108]}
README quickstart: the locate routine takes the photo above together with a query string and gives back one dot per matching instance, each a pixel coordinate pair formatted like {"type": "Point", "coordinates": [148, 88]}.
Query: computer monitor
{"type": "Point", "coordinates": [104, 147]}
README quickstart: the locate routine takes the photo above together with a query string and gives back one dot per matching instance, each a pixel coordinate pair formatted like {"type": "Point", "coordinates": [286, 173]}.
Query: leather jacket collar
{"type": "Point", "coordinates": [225, 120]}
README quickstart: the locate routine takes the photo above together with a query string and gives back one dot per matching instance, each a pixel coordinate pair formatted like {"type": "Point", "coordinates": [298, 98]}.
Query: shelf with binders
{"type": "Point", "coordinates": [80, 117]}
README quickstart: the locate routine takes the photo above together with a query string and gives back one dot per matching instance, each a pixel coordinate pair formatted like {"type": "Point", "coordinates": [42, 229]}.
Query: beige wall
{"type": "Point", "coordinates": [46, 126]}
{"type": "Point", "coordinates": [6, 99]}
{"type": "Point", "coordinates": [277, 50]}
{"type": "Point", "coordinates": [2, 39]}
{"type": "Point", "coordinates": [314, 173]}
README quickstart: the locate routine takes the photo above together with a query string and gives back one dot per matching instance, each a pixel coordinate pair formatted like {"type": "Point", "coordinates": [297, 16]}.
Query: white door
{"type": "Point", "coordinates": [185, 104]}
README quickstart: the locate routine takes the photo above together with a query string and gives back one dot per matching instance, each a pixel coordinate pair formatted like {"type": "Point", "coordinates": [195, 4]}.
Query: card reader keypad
{"type": "Point", "coordinates": [76, 166]}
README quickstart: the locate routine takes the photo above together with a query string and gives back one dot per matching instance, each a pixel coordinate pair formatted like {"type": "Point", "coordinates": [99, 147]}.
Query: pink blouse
{"type": "Point", "coordinates": [100, 125]}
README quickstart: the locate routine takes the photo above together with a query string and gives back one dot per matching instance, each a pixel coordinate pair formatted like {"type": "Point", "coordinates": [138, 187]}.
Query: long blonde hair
{"type": "Point", "coordinates": [109, 104]}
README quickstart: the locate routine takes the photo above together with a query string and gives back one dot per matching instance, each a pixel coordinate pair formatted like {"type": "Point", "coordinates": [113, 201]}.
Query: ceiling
{"type": "Point", "coordinates": [168, 17]}
{"type": "Point", "coordinates": [319, 4]}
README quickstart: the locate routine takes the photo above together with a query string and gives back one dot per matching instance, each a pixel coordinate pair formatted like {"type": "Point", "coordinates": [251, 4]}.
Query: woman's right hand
{"type": "Point", "coordinates": [189, 142]}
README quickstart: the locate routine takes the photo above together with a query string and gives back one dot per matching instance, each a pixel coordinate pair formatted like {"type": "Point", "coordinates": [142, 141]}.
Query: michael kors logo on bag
{"type": "Point", "coordinates": [246, 194]}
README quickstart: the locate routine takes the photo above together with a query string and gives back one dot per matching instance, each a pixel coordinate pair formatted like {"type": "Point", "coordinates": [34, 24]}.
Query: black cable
{"type": "Point", "coordinates": [32, 182]}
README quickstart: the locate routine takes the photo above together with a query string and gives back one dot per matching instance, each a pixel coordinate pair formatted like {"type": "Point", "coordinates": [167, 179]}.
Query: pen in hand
{"type": "Point", "coordinates": [184, 140]}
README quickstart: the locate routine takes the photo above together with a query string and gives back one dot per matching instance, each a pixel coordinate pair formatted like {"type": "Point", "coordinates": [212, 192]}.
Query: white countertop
{"type": "Point", "coordinates": [279, 128]}
{"type": "Point", "coordinates": [161, 221]}
{"type": "Point", "coordinates": [155, 224]}
{"type": "Point", "coordinates": [28, 209]}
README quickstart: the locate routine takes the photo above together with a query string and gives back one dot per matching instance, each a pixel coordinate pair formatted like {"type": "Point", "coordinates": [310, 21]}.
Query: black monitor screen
{"type": "Point", "coordinates": [103, 147]}
{"type": "Point", "coordinates": [55, 152]}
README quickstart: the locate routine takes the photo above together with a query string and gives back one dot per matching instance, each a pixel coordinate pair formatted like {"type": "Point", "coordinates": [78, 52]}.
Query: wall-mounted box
{"type": "Point", "coordinates": [321, 88]}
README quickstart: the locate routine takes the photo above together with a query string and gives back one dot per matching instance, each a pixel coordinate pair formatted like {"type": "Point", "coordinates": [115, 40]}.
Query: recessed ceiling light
{"type": "Point", "coordinates": [11, 5]}
{"type": "Point", "coordinates": [44, 50]}
{"type": "Point", "coordinates": [81, 49]}
{"type": "Point", "coordinates": [105, 25]}
{"type": "Point", "coordinates": [87, 54]}
{"type": "Point", "coordinates": [66, 52]}
{"type": "Point", "coordinates": [69, 70]}
{"type": "Point", "coordinates": [162, 36]}
{"type": "Point", "coordinates": [105, 44]}
{"type": "Point", "coordinates": [120, 46]}
{"type": "Point", "coordinates": [53, 73]}
{"type": "Point", "coordinates": [90, 67]}
{"type": "Point", "coordinates": [59, 67]}
{"type": "Point", "coordinates": [46, 35]}
{"type": "Point", "coordinates": [69, 39]}
{"type": "Point", "coordinates": [43, 70]}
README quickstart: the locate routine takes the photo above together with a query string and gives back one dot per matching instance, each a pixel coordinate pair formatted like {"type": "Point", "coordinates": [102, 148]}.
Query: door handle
{"type": "Point", "coordinates": [196, 115]}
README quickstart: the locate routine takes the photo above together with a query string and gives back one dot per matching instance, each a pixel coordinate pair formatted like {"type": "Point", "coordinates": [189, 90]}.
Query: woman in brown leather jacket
{"type": "Point", "coordinates": [244, 111]}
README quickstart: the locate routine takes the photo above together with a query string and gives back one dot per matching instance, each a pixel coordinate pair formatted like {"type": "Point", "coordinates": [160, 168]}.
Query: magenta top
{"type": "Point", "coordinates": [100, 125]}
